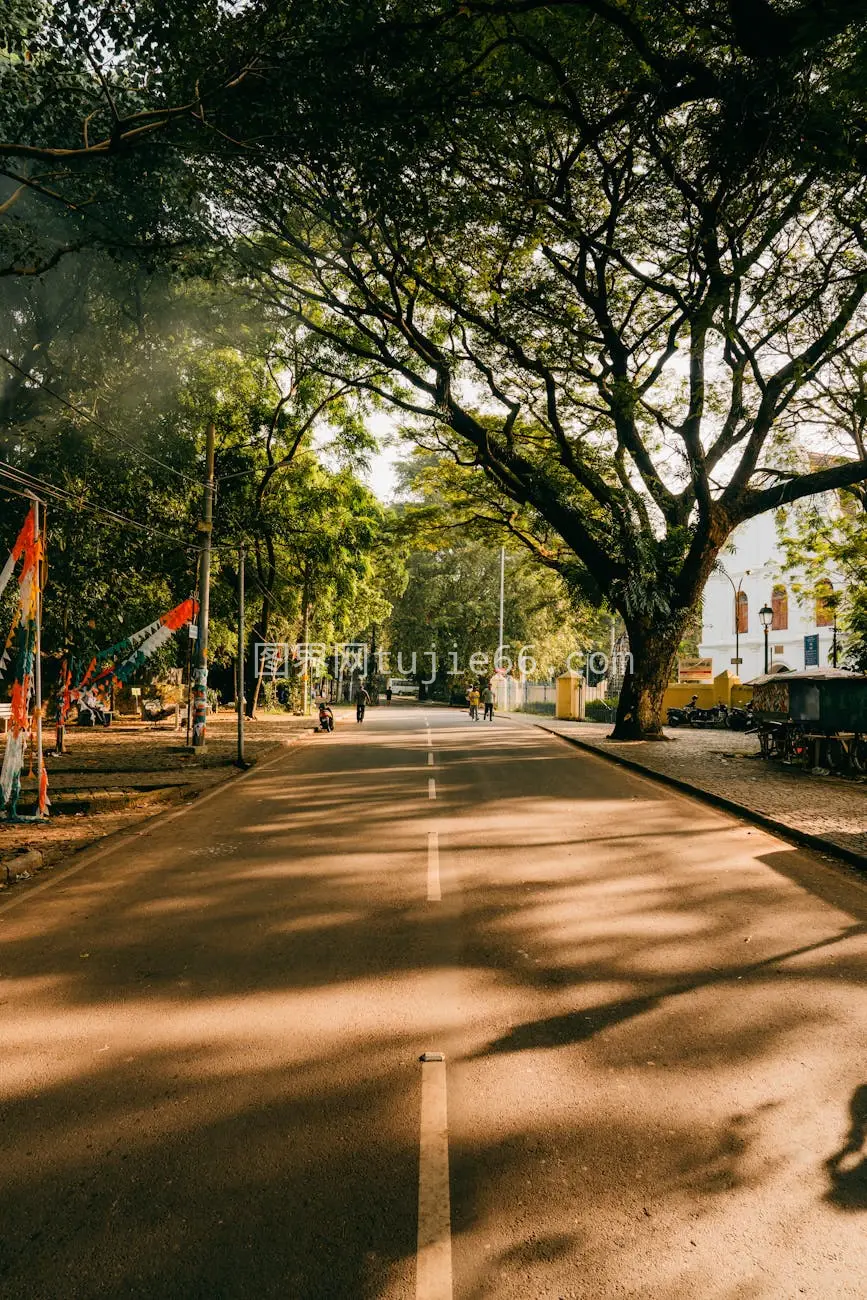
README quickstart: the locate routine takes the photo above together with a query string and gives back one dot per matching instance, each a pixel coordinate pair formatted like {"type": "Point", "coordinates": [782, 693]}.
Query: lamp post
{"type": "Point", "coordinates": [832, 602]}
{"type": "Point", "coordinates": [766, 616]}
{"type": "Point", "coordinates": [737, 592]}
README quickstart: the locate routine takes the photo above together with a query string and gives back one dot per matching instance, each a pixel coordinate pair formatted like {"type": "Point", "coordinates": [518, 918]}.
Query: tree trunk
{"type": "Point", "coordinates": [262, 629]}
{"type": "Point", "coordinates": [639, 711]}
{"type": "Point", "coordinates": [305, 639]}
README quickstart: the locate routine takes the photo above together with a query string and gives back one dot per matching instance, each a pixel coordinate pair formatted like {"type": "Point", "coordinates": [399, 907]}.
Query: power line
{"type": "Point", "coordinates": [93, 420]}
{"type": "Point", "coordinates": [70, 498]}
{"type": "Point", "coordinates": [31, 482]}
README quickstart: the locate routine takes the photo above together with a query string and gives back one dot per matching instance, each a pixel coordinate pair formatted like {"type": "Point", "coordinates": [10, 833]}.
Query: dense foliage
{"type": "Point", "coordinates": [110, 374]}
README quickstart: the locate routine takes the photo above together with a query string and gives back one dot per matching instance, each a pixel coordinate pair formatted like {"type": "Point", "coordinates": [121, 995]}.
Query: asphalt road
{"type": "Point", "coordinates": [652, 1020]}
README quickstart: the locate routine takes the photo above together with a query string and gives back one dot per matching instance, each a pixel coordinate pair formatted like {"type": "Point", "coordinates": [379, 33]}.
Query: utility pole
{"type": "Point", "coordinates": [241, 649]}
{"type": "Point", "coordinates": [737, 592]}
{"type": "Point", "coordinates": [498, 661]}
{"type": "Point", "coordinates": [200, 672]}
{"type": "Point", "coordinates": [39, 521]}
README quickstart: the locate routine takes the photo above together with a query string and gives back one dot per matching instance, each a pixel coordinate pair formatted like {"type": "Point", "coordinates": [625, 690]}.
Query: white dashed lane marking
{"type": "Point", "coordinates": [434, 1253]}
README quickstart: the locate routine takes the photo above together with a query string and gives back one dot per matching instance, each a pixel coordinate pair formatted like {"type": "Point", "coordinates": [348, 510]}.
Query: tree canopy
{"type": "Point", "coordinates": [610, 302]}
{"type": "Point", "coordinates": [610, 255]}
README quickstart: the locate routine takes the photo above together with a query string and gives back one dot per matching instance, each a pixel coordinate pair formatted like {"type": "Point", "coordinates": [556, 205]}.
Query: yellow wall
{"type": "Point", "coordinates": [680, 693]}
{"type": "Point", "coordinates": [726, 689]}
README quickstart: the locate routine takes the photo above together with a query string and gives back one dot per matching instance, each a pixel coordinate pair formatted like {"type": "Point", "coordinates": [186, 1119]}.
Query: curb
{"type": "Point", "coordinates": [93, 802]}
{"type": "Point", "coordinates": [785, 832]}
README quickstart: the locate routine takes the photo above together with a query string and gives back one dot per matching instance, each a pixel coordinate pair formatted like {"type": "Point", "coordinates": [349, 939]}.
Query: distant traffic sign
{"type": "Point", "coordinates": [737, 662]}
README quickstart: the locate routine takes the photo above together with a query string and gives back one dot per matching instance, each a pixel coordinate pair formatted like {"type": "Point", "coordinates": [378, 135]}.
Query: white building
{"type": "Point", "coordinates": [754, 565]}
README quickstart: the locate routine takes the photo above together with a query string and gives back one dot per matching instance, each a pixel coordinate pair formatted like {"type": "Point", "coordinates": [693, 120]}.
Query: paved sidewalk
{"type": "Point", "coordinates": [726, 765]}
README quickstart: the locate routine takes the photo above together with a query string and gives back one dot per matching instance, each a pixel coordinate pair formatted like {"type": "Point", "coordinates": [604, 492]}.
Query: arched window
{"type": "Point", "coordinates": [742, 613]}
{"type": "Point", "coordinates": [824, 603]}
{"type": "Point", "coordinates": [780, 606]}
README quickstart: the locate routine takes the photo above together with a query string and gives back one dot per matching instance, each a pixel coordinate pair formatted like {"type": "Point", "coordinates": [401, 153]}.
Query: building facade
{"type": "Point", "coordinates": [802, 629]}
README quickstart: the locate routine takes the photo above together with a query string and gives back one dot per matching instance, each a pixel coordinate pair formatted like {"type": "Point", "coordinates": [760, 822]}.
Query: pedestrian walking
{"type": "Point", "coordinates": [475, 700]}
{"type": "Point", "coordinates": [362, 699]}
{"type": "Point", "coordinates": [388, 693]}
{"type": "Point", "coordinates": [488, 701]}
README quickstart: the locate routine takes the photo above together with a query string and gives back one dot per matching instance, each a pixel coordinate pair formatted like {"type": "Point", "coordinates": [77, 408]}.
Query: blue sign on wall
{"type": "Point", "coordinates": [811, 651]}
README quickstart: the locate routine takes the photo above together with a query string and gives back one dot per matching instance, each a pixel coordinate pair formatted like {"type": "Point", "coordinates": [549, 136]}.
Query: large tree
{"type": "Point", "coordinates": [597, 296]}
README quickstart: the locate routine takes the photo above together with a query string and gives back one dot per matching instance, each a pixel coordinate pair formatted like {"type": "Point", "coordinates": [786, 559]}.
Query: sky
{"type": "Point", "coordinates": [380, 478]}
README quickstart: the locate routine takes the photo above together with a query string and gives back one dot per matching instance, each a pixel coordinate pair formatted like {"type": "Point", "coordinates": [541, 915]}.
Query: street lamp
{"type": "Point", "coordinates": [766, 617]}
{"type": "Point", "coordinates": [737, 592]}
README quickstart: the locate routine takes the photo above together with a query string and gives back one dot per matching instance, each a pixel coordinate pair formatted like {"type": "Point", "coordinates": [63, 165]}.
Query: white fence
{"type": "Point", "coordinates": [535, 697]}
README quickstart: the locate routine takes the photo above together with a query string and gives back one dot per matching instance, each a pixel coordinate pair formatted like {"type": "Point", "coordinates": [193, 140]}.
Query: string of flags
{"type": "Point", "coordinates": [19, 653]}
{"type": "Point", "coordinates": [18, 661]}
{"type": "Point", "coordinates": [123, 658]}
{"type": "Point", "coordinates": [120, 661]}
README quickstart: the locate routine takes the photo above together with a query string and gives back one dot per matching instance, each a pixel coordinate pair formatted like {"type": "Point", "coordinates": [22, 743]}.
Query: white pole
{"type": "Point", "coordinates": [502, 591]}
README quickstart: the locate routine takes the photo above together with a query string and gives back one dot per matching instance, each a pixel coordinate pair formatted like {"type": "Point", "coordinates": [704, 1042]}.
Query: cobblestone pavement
{"type": "Point", "coordinates": [727, 764]}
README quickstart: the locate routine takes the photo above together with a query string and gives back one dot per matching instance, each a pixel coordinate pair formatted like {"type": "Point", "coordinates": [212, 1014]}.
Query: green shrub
{"type": "Point", "coordinates": [599, 711]}
{"type": "Point", "coordinates": [271, 703]}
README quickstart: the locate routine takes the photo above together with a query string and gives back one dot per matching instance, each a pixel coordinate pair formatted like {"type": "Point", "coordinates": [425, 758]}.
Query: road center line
{"type": "Point", "coordinates": [430, 761]}
{"type": "Point", "coordinates": [431, 788]}
{"type": "Point", "coordinates": [434, 889]}
{"type": "Point", "coordinates": [433, 1278]}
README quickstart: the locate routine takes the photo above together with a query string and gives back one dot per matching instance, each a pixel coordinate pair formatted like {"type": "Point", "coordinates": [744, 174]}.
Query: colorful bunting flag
{"type": "Point", "coordinates": [21, 650]}
{"type": "Point", "coordinates": [121, 660]}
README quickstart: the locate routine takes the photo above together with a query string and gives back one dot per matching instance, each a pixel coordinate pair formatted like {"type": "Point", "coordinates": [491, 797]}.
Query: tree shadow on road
{"type": "Point", "coordinates": [213, 959]}
{"type": "Point", "coordinates": [848, 1175]}
{"type": "Point", "coordinates": [578, 1026]}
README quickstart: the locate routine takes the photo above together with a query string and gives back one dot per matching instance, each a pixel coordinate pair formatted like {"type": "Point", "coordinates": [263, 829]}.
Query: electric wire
{"type": "Point", "coordinates": [32, 483]}
{"type": "Point", "coordinates": [31, 379]}
{"type": "Point", "coordinates": [70, 498]}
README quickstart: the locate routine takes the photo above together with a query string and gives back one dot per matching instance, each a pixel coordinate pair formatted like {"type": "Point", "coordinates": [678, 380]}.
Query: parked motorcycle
{"type": "Point", "coordinates": [690, 715]}
{"type": "Point", "coordinates": [741, 719]}
{"type": "Point", "coordinates": [682, 717]}
{"type": "Point", "coordinates": [716, 716]}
